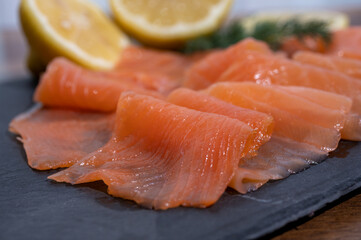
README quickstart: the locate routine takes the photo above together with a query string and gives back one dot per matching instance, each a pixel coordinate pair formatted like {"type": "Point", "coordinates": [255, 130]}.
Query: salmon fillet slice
{"type": "Point", "coordinates": [262, 124]}
{"type": "Point", "coordinates": [162, 155]}
{"type": "Point", "coordinates": [149, 81]}
{"type": "Point", "coordinates": [55, 138]}
{"type": "Point", "coordinates": [168, 64]}
{"type": "Point", "coordinates": [292, 45]}
{"type": "Point", "coordinates": [276, 159]}
{"type": "Point", "coordinates": [207, 70]}
{"type": "Point", "coordinates": [332, 101]}
{"type": "Point", "coordinates": [267, 69]}
{"type": "Point", "coordinates": [348, 66]}
{"type": "Point", "coordinates": [320, 97]}
{"type": "Point", "coordinates": [346, 43]}
{"type": "Point", "coordinates": [65, 84]}
{"type": "Point", "coordinates": [293, 115]}
{"type": "Point", "coordinates": [304, 131]}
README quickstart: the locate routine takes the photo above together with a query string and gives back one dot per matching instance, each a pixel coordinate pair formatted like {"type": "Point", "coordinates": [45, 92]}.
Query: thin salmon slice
{"type": "Point", "coordinates": [150, 81]}
{"type": "Point", "coordinates": [65, 84]}
{"type": "Point", "coordinates": [207, 70]}
{"type": "Point", "coordinates": [294, 44]}
{"type": "Point", "coordinates": [296, 114]}
{"type": "Point", "coordinates": [332, 101]}
{"type": "Point", "coordinates": [346, 43]}
{"type": "Point", "coordinates": [276, 159]}
{"type": "Point", "coordinates": [298, 139]}
{"type": "Point", "coordinates": [323, 98]}
{"type": "Point", "coordinates": [348, 66]}
{"type": "Point", "coordinates": [261, 123]}
{"type": "Point", "coordinates": [55, 138]}
{"type": "Point", "coordinates": [162, 155]}
{"type": "Point", "coordinates": [168, 64]}
{"type": "Point", "coordinates": [267, 69]}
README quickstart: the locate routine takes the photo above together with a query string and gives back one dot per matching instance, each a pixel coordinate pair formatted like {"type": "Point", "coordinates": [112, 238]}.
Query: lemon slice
{"type": "Point", "coordinates": [75, 29]}
{"type": "Point", "coordinates": [335, 20]}
{"type": "Point", "coordinates": [165, 23]}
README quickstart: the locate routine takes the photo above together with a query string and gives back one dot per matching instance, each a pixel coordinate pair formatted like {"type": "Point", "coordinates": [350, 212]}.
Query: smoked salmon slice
{"type": "Point", "coordinates": [268, 69]}
{"type": "Point", "coordinates": [162, 155]}
{"type": "Point", "coordinates": [170, 65]}
{"type": "Point", "coordinates": [65, 84]}
{"type": "Point", "coordinates": [322, 124]}
{"type": "Point", "coordinates": [348, 66]}
{"type": "Point", "coordinates": [150, 81]}
{"type": "Point", "coordinates": [332, 101]}
{"type": "Point", "coordinates": [207, 70]}
{"type": "Point", "coordinates": [346, 43]}
{"type": "Point", "coordinates": [55, 138]}
{"type": "Point", "coordinates": [293, 44]}
{"type": "Point", "coordinates": [323, 98]}
{"type": "Point", "coordinates": [261, 123]}
{"type": "Point", "coordinates": [276, 159]}
{"type": "Point", "coordinates": [304, 131]}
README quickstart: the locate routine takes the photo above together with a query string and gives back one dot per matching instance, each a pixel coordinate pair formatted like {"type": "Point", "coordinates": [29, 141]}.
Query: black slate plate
{"type": "Point", "coordinates": [32, 207]}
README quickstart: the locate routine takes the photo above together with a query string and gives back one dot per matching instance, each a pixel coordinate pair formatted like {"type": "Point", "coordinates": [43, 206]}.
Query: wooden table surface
{"type": "Point", "coordinates": [339, 220]}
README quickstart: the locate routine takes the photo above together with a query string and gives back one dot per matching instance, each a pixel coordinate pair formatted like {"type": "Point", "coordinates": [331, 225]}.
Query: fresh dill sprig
{"type": "Point", "coordinates": [220, 39]}
{"type": "Point", "coordinates": [313, 29]}
{"type": "Point", "coordinates": [271, 32]}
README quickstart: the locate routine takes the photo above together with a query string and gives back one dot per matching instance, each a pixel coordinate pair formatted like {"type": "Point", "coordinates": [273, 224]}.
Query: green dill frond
{"type": "Point", "coordinates": [220, 39]}
{"type": "Point", "coordinates": [271, 32]}
{"type": "Point", "coordinates": [268, 32]}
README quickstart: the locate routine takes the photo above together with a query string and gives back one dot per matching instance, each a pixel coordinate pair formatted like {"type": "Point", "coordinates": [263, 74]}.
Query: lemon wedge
{"type": "Point", "coordinates": [75, 29]}
{"type": "Point", "coordinates": [335, 20]}
{"type": "Point", "coordinates": [164, 23]}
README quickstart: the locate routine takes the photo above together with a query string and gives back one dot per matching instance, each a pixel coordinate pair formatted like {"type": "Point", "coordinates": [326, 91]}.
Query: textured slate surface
{"type": "Point", "coordinates": [32, 207]}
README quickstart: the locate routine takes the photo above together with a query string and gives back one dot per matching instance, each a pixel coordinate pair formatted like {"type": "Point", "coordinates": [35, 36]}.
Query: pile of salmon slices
{"type": "Point", "coordinates": [165, 129]}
